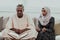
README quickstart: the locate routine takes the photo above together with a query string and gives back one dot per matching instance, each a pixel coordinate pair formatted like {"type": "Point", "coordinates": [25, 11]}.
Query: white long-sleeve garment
{"type": "Point", "coordinates": [21, 23]}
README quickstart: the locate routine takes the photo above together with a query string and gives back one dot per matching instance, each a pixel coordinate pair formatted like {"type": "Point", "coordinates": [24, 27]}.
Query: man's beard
{"type": "Point", "coordinates": [20, 15]}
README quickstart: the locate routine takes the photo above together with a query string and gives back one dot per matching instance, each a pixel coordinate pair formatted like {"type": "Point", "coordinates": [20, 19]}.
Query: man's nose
{"type": "Point", "coordinates": [19, 11]}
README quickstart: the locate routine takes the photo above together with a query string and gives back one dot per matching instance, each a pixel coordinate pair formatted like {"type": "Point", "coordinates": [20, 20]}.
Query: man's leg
{"type": "Point", "coordinates": [28, 39]}
{"type": "Point", "coordinates": [7, 39]}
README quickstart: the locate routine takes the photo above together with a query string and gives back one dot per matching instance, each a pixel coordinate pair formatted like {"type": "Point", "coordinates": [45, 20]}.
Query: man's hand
{"type": "Point", "coordinates": [26, 29]}
{"type": "Point", "coordinates": [44, 29]}
{"type": "Point", "coordinates": [18, 31]}
{"type": "Point", "coordinates": [23, 30]}
{"type": "Point", "coordinates": [15, 30]}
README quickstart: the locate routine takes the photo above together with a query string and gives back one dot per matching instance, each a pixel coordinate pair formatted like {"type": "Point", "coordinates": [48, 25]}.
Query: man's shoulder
{"type": "Point", "coordinates": [26, 15]}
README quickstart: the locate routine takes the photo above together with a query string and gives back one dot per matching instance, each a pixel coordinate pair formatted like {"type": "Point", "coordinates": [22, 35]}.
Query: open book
{"type": "Point", "coordinates": [17, 36]}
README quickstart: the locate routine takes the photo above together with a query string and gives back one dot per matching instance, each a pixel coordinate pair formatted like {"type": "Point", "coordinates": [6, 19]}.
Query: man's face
{"type": "Point", "coordinates": [19, 11]}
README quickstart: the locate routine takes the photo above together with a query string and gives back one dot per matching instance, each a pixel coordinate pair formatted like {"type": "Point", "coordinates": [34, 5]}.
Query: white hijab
{"type": "Point", "coordinates": [44, 20]}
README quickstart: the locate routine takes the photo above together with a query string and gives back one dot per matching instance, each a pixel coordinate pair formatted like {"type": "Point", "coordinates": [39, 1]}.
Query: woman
{"type": "Point", "coordinates": [46, 25]}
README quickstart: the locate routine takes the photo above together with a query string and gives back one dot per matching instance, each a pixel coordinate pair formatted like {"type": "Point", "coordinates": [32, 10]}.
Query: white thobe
{"type": "Point", "coordinates": [21, 23]}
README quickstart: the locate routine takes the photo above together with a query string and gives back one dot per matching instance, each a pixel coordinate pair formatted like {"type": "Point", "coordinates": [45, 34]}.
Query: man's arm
{"type": "Point", "coordinates": [32, 28]}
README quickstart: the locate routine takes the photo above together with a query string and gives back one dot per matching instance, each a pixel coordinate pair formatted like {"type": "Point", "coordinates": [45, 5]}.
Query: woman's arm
{"type": "Point", "coordinates": [51, 25]}
{"type": "Point", "coordinates": [40, 26]}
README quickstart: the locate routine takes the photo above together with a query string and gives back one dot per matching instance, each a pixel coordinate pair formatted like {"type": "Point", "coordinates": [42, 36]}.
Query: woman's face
{"type": "Point", "coordinates": [44, 12]}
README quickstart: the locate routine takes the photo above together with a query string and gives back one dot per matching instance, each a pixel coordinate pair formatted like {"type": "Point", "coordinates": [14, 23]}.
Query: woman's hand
{"type": "Point", "coordinates": [37, 29]}
{"type": "Point", "coordinates": [44, 29]}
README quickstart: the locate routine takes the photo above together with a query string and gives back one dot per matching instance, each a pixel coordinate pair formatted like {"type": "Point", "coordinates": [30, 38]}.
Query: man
{"type": "Point", "coordinates": [20, 23]}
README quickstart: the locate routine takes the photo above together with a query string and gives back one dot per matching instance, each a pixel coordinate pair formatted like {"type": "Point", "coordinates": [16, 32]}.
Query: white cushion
{"type": "Point", "coordinates": [5, 20]}
{"type": "Point", "coordinates": [58, 37]}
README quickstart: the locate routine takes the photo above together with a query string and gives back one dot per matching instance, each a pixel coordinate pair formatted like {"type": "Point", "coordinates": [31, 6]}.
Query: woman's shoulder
{"type": "Point", "coordinates": [52, 19]}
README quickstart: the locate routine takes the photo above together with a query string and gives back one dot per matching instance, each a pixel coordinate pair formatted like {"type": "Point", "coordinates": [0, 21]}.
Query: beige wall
{"type": "Point", "coordinates": [57, 29]}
